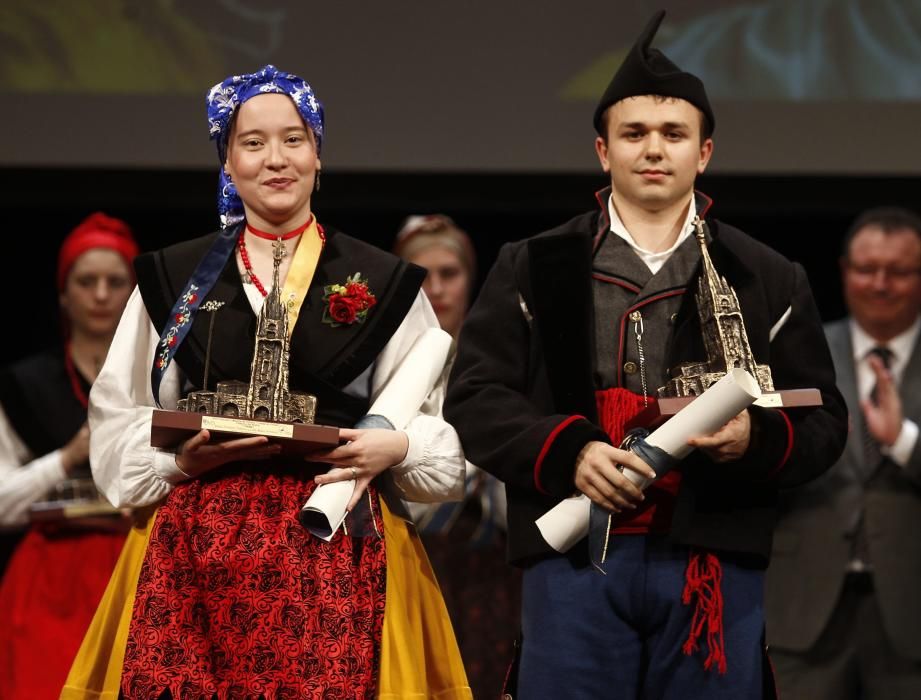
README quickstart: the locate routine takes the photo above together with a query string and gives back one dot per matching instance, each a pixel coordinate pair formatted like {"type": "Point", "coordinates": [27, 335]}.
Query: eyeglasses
{"type": "Point", "coordinates": [898, 274]}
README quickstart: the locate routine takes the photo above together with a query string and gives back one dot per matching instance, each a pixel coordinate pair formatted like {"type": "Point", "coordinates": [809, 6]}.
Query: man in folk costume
{"type": "Point", "coordinates": [574, 328]}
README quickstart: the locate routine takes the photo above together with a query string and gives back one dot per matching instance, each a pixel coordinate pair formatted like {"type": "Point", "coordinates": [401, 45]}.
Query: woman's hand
{"type": "Point", "coordinates": [197, 456]}
{"type": "Point", "coordinates": [76, 452]}
{"type": "Point", "coordinates": [366, 454]}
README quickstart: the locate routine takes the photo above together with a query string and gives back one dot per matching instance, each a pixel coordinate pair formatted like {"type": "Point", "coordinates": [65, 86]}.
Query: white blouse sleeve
{"type": "Point", "coordinates": [23, 480]}
{"type": "Point", "coordinates": [434, 468]}
{"type": "Point", "coordinates": [131, 473]}
{"type": "Point", "coordinates": [126, 468]}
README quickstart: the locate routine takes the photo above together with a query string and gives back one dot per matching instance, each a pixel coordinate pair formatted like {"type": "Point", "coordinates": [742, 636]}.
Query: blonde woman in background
{"type": "Point", "coordinates": [465, 541]}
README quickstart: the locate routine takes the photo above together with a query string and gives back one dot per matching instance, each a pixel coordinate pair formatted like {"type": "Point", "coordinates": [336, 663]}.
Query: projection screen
{"type": "Point", "coordinates": [799, 86]}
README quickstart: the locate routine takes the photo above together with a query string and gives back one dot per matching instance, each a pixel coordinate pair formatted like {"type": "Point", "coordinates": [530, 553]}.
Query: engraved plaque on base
{"type": "Point", "coordinates": [169, 428]}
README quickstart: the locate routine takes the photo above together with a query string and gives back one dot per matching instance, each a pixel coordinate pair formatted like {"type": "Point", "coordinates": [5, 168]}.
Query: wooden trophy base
{"type": "Point", "coordinates": [49, 511]}
{"type": "Point", "coordinates": [169, 428]}
{"type": "Point", "coordinates": [79, 516]}
{"type": "Point", "coordinates": [664, 408]}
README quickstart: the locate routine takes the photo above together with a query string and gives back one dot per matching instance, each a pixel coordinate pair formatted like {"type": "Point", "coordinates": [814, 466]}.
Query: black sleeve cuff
{"type": "Point", "coordinates": [554, 470]}
{"type": "Point", "coordinates": [770, 444]}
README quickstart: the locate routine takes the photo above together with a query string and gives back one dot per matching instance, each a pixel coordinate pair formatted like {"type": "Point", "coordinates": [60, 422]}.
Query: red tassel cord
{"type": "Point", "coordinates": [703, 579]}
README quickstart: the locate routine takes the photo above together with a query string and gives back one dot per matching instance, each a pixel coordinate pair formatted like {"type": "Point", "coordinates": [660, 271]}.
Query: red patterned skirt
{"type": "Point", "coordinates": [237, 600]}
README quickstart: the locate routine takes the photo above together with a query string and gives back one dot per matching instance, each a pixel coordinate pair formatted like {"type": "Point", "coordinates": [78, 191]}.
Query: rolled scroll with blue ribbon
{"type": "Point", "coordinates": [569, 521]}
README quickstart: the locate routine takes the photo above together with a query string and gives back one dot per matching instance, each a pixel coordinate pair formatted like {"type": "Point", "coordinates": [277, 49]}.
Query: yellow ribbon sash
{"type": "Point", "coordinates": [300, 274]}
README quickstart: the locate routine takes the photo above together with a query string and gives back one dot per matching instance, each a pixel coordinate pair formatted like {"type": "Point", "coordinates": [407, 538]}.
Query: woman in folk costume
{"type": "Point", "coordinates": [59, 570]}
{"type": "Point", "coordinates": [222, 592]}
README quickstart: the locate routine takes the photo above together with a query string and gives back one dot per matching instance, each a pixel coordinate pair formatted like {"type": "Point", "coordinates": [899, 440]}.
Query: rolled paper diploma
{"type": "Point", "coordinates": [412, 380]}
{"type": "Point", "coordinates": [566, 523]}
{"type": "Point", "coordinates": [399, 401]}
{"type": "Point", "coordinates": [324, 511]}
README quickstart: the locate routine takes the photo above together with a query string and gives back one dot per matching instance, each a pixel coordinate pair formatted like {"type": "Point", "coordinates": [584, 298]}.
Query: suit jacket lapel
{"type": "Point", "coordinates": [910, 387]}
{"type": "Point", "coordinates": [842, 353]}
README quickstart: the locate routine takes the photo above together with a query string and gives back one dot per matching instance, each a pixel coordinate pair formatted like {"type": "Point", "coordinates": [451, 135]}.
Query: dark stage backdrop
{"type": "Point", "coordinates": [479, 109]}
{"type": "Point", "coordinates": [803, 217]}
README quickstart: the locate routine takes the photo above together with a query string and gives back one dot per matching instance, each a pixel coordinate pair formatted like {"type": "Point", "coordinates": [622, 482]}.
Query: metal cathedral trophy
{"type": "Point", "coordinates": [264, 406]}
{"type": "Point", "coordinates": [726, 343]}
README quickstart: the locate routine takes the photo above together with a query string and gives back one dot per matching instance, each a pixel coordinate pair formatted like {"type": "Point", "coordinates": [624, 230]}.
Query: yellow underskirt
{"type": "Point", "coordinates": [97, 670]}
{"type": "Point", "coordinates": [419, 655]}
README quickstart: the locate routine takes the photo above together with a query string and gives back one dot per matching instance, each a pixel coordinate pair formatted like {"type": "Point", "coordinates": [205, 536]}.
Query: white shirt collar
{"type": "Point", "coordinates": [654, 261]}
{"type": "Point", "coordinates": [901, 346]}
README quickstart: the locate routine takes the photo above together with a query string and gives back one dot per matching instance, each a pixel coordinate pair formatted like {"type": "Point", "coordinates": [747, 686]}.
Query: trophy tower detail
{"type": "Point", "coordinates": [724, 335]}
{"type": "Point", "coordinates": [268, 384]}
{"type": "Point", "coordinates": [266, 397]}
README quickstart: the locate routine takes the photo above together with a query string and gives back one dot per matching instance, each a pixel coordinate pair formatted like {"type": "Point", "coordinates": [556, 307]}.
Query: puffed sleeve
{"type": "Point", "coordinates": [23, 480]}
{"type": "Point", "coordinates": [131, 473]}
{"type": "Point", "coordinates": [434, 467]}
{"type": "Point", "coordinates": [128, 471]}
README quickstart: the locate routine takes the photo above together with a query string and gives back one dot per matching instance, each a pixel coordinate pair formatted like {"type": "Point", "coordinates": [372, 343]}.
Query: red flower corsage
{"type": "Point", "coordinates": [347, 303]}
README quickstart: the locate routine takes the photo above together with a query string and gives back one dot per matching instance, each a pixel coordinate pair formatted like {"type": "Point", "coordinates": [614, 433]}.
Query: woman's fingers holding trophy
{"type": "Point", "coordinates": [198, 454]}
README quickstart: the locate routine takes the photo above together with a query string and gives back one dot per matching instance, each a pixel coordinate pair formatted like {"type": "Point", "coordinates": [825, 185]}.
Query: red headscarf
{"type": "Point", "coordinates": [96, 231]}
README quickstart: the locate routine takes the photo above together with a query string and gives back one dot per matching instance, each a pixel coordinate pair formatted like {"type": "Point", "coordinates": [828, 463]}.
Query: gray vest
{"type": "Point", "coordinates": [625, 294]}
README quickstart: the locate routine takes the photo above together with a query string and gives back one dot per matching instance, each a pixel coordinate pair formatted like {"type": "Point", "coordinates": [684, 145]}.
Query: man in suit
{"type": "Point", "coordinates": [844, 586]}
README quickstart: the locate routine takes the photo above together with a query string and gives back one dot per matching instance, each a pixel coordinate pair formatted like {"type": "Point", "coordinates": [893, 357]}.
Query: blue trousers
{"type": "Point", "coordinates": [587, 635]}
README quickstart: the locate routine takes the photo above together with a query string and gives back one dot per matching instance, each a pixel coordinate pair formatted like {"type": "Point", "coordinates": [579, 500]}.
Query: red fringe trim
{"type": "Point", "coordinates": [704, 573]}
{"type": "Point", "coordinates": [703, 578]}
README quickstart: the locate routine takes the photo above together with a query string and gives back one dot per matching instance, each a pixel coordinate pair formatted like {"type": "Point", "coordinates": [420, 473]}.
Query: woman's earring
{"type": "Point", "coordinates": [316, 182]}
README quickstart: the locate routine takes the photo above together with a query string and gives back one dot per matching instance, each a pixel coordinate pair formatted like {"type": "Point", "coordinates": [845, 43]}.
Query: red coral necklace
{"type": "Point", "coordinates": [244, 256]}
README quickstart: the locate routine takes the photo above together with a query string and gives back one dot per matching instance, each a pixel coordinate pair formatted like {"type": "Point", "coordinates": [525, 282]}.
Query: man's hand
{"type": "Point", "coordinates": [197, 455]}
{"type": "Point", "coordinates": [728, 443]}
{"type": "Point", "coordinates": [884, 419]}
{"type": "Point", "coordinates": [598, 477]}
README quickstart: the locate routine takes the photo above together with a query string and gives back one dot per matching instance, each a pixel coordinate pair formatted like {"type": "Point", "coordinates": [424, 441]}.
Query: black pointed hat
{"type": "Point", "coordinates": [647, 71]}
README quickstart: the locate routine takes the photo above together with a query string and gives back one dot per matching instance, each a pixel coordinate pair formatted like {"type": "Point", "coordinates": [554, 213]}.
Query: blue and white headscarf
{"type": "Point", "coordinates": [224, 99]}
